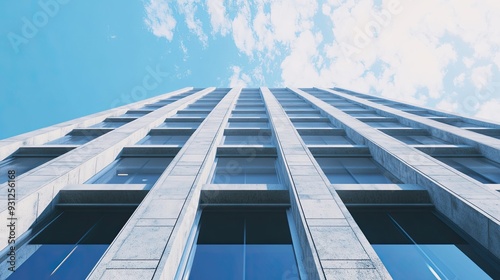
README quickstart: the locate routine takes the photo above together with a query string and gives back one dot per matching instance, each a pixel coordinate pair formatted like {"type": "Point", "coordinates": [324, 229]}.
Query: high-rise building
{"type": "Point", "coordinates": [253, 183]}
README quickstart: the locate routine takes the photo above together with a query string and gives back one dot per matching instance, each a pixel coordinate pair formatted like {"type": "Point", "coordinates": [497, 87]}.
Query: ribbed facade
{"type": "Point", "coordinates": [254, 183]}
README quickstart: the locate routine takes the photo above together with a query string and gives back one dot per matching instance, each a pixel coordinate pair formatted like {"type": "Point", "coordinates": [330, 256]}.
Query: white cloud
{"type": "Point", "coordinates": [189, 8]}
{"type": "Point", "coordinates": [458, 81]}
{"type": "Point", "coordinates": [447, 105]}
{"type": "Point", "coordinates": [489, 110]}
{"type": "Point", "coordinates": [242, 32]}
{"type": "Point", "coordinates": [218, 16]}
{"type": "Point", "coordinates": [160, 19]}
{"type": "Point", "coordinates": [481, 76]}
{"type": "Point", "coordinates": [238, 79]}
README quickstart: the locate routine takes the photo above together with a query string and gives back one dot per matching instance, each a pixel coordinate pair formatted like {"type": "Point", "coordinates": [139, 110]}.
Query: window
{"type": "Point", "coordinates": [319, 124]}
{"type": "Point", "coordinates": [384, 124]}
{"type": "Point", "coordinates": [72, 140]}
{"type": "Point", "coordinates": [20, 164]}
{"type": "Point", "coordinates": [248, 124]}
{"type": "Point", "coordinates": [245, 171]}
{"type": "Point", "coordinates": [132, 170]}
{"type": "Point", "coordinates": [243, 245]}
{"type": "Point", "coordinates": [247, 139]}
{"type": "Point", "coordinates": [419, 140]}
{"type": "Point", "coordinates": [325, 140]}
{"type": "Point", "coordinates": [178, 140]}
{"type": "Point", "coordinates": [354, 170]}
{"type": "Point", "coordinates": [71, 244]}
{"type": "Point", "coordinates": [479, 168]}
{"type": "Point", "coordinates": [416, 244]}
{"type": "Point", "coordinates": [180, 124]}
{"type": "Point", "coordinates": [108, 124]}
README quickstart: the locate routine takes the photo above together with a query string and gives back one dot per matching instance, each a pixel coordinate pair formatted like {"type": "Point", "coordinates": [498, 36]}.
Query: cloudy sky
{"type": "Point", "coordinates": [61, 59]}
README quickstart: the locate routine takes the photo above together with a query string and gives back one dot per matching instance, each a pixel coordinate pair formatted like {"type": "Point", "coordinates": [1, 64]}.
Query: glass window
{"type": "Point", "coordinates": [132, 170]}
{"type": "Point", "coordinates": [246, 171]}
{"type": "Point", "coordinates": [326, 140]}
{"type": "Point", "coordinates": [135, 113]}
{"type": "Point", "coordinates": [71, 245]}
{"type": "Point", "coordinates": [72, 140]}
{"type": "Point", "coordinates": [479, 168]}
{"type": "Point", "coordinates": [244, 245]}
{"type": "Point", "coordinates": [247, 140]}
{"type": "Point", "coordinates": [164, 140]}
{"type": "Point", "coordinates": [233, 124]}
{"type": "Point", "coordinates": [241, 114]}
{"type": "Point", "coordinates": [378, 124]}
{"type": "Point", "coordinates": [418, 245]}
{"type": "Point", "coordinates": [354, 170]}
{"type": "Point", "coordinates": [182, 124]}
{"type": "Point", "coordinates": [20, 164]}
{"type": "Point", "coordinates": [299, 124]}
{"type": "Point", "coordinates": [419, 140]}
{"type": "Point", "coordinates": [108, 124]}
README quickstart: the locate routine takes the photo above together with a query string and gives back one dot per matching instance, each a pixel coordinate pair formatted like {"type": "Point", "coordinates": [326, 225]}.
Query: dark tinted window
{"type": "Point", "coordinates": [418, 245]}
{"type": "Point", "coordinates": [244, 245]}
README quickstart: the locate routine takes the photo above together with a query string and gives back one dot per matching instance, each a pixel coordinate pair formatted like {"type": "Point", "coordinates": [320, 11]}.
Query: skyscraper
{"type": "Point", "coordinates": [254, 183]}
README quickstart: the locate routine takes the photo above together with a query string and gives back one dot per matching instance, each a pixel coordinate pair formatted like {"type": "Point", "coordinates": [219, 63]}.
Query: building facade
{"type": "Point", "coordinates": [254, 183]}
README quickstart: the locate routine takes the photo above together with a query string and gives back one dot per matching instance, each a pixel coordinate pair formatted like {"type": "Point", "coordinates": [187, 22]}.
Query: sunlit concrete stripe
{"type": "Point", "coordinates": [44, 135]}
{"type": "Point", "coordinates": [465, 201]}
{"type": "Point", "coordinates": [155, 236]}
{"type": "Point", "coordinates": [487, 146]}
{"type": "Point", "coordinates": [36, 191]}
{"type": "Point", "coordinates": [329, 238]}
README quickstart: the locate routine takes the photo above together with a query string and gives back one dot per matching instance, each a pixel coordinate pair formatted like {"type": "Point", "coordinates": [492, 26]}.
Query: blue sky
{"type": "Point", "coordinates": [62, 59]}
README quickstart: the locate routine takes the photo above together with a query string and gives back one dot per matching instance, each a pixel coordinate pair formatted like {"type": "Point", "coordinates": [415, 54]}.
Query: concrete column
{"type": "Point", "coordinates": [151, 244]}
{"type": "Point", "coordinates": [473, 206]}
{"type": "Point", "coordinates": [35, 190]}
{"type": "Point", "coordinates": [333, 245]}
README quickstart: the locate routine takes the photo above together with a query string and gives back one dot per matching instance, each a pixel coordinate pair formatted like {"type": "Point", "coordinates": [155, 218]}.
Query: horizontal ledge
{"type": "Point", "coordinates": [378, 187]}
{"type": "Point", "coordinates": [94, 194]}
{"type": "Point", "coordinates": [90, 131]}
{"type": "Point", "coordinates": [239, 205]}
{"type": "Point", "coordinates": [172, 131]}
{"type": "Point", "coordinates": [247, 150]}
{"type": "Point", "coordinates": [120, 119]}
{"type": "Point", "coordinates": [391, 205]}
{"type": "Point", "coordinates": [247, 131]}
{"type": "Point", "coordinates": [404, 131]}
{"type": "Point", "coordinates": [150, 150]}
{"type": "Point", "coordinates": [486, 131]}
{"type": "Point", "coordinates": [321, 131]}
{"type": "Point", "coordinates": [249, 119]}
{"type": "Point", "coordinates": [437, 150]}
{"type": "Point", "coordinates": [99, 205]}
{"type": "Point", "coordinates": [184, 119]}
{"type": "Point", "coordinates": [377, 119]}
{"type": "Point", "coordinates": [350, 150]}
{"type": "Point", "coordinates": [48, 150]}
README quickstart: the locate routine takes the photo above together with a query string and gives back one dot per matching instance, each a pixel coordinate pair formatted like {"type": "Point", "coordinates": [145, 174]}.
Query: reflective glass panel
{"type": "Point", "coordinates": [244, 245]}
{"type": "Point", "coordinates": [247, 140]}
{"type": "Point", "coordinates": [164, 140]}
{"type": "Point", "coordinates": [133, 170]}
{"type": "Point", "coordinates": [20, 165]}
{"type": "Point", "coordinates": [70, 246]}
{"type": "Point", "coordinates": [354, 170]}
{"type": "Point", "coordinates": [108, 124]}
{"type": "Point", "coordinates": [416, 244]}
{"type": "Point", "coordinates": [479, 168]}
{"type": "Point", "coordinates": [246, 171]}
